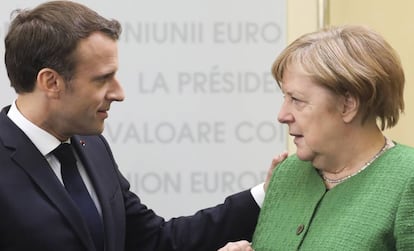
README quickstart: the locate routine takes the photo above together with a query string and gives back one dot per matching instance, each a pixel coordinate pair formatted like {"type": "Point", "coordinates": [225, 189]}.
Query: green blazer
{"type": "Point", "coordinates": [373, 210]}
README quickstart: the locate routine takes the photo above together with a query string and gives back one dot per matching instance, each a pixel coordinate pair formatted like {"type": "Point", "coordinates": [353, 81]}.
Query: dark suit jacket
{"type": "Point", "coordinates": [37, 214]}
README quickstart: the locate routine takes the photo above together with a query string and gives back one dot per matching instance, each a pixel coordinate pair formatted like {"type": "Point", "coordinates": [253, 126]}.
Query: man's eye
{"type": "Point", "coordinates": [104, 78]}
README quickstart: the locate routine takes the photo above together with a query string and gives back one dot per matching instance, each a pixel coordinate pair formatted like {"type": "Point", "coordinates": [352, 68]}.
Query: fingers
{"type": "Point", "coordinates": [237, 246]}
{"type": "Point", "coordinates": [279, 158]}
{"type": "Point", "coordinates": [275, 161]}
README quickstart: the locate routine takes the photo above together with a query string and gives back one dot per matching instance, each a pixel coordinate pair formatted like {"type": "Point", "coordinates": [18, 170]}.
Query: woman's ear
{"type": "Point", "coordinates": [350, 108]}
{"type": "Point", "coordinates": [50, 82]}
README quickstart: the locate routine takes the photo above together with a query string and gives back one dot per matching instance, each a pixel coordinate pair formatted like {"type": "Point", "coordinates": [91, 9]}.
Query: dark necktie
{"type": "Point", "coordinates": [76, 188]}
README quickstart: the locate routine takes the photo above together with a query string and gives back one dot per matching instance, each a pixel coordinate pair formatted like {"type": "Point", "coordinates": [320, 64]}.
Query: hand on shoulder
{"type": "Point", "coordinates": [275, 162]}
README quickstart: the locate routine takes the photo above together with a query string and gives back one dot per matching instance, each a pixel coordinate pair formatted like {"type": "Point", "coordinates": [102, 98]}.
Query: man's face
{"type": "Point", "coordinates": [86, 100]}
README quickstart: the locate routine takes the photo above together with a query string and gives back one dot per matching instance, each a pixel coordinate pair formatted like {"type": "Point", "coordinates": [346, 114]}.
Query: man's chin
{"type": "Point", "coordinates": [94, 131]}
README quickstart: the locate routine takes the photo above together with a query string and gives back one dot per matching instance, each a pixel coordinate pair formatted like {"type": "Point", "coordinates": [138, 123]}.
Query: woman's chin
{"type": "Point", "coordinates": [304, 155]}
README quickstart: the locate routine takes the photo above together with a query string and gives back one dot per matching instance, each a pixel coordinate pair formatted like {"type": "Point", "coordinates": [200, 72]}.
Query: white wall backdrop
{"type": "Point", "coordinates": [199, 119]}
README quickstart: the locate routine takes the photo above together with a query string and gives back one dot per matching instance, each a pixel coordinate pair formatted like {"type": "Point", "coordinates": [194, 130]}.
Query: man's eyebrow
{"type": "Point", "coordinates": [104, 75]}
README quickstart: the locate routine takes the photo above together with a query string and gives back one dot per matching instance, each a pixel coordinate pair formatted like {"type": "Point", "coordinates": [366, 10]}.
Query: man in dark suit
{"type": "Point", "coordinates": [61, 59]}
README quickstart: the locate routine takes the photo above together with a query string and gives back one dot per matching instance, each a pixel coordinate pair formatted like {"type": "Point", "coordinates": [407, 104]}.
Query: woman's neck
{"type": "Point", "coordinates": [352, 157]}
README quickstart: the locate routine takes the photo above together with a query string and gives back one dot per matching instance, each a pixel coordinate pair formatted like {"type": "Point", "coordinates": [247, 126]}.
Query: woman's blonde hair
{"type": "Point", "coordinates": [351, 60]}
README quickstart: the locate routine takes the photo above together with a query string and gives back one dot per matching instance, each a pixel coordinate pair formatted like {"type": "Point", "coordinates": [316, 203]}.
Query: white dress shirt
{"type": "Point", "coordinates": [46, 143]}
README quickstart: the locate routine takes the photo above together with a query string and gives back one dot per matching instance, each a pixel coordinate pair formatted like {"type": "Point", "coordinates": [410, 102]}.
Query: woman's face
{"type": "Point", "coordinates": [313, 114]}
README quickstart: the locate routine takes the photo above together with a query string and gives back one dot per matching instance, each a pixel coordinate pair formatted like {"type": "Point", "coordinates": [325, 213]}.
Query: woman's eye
{"type": "Point", "coordinates": [295, 100]}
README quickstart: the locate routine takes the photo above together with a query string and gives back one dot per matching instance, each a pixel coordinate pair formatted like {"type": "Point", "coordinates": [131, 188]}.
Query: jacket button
{"type": "Point", "coordinates": [300, 228]}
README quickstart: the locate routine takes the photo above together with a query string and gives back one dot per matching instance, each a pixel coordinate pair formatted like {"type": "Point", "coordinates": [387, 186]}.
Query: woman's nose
{"type": "Point", "coordinates": [284, 116]}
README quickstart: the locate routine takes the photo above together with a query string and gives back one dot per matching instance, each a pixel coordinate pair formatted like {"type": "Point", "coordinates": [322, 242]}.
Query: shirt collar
{"type": "Point", "coordinates": [43, 140]}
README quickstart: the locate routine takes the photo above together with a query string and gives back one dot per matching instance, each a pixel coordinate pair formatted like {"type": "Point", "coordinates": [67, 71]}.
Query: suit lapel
{"type": "Point", "coordinates": [28, 157]}
{"type": "Point", "coordinates": [94, 162]}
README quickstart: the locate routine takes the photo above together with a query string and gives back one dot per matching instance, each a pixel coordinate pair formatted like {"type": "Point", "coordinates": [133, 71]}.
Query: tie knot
{"type": "Point", "coordinates": [64, 153]}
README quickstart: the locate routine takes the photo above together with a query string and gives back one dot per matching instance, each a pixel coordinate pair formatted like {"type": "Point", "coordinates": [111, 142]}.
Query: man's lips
{"type": "Point", "coordinates": [103, 113]}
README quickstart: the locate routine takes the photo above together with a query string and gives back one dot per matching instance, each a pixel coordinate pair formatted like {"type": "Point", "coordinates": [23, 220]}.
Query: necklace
{"type": "Point", "coordinates": [340, 180]}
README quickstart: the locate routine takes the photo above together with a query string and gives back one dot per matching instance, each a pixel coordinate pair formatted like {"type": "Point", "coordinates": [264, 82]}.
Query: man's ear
{"type": "Point", "coordinates": [350, 108]}
{"type": "Point", "coordinates": [50, 82]}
